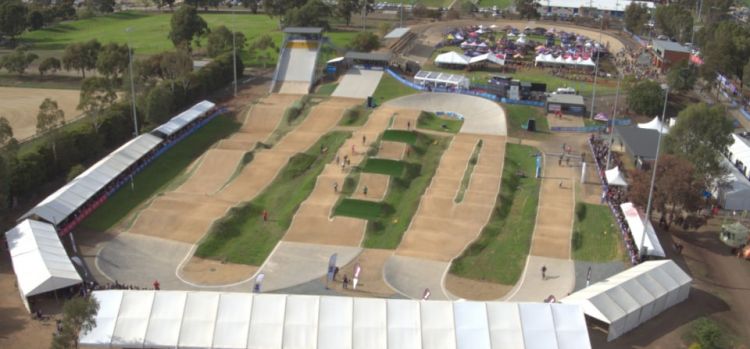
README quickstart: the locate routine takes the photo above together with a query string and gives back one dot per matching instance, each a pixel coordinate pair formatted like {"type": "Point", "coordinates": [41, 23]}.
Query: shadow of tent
{"type": "Point", "coordinates": [699, 304]}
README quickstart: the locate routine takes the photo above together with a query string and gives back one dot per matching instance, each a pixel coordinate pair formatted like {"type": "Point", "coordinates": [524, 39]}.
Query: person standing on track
{"type": "Point", "coordinates": [265, 216]}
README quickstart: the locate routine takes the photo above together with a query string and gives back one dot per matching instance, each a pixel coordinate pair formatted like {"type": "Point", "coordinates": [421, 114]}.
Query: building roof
{"type": "Point", "coordinates": [639, 141]}
{"type": "Point", "coordinates": [303, 30]}
{"type": "Point", "coordinates": [452, 57]}
{"type": "Point", "coordinates": [665, 45]}
{"type": "Point", "coordinates": [39, 258]}
{"type": "Point", "coordinates": [396, 33]}
{"type": "Point", "coordinates": [370, 56]}
{"type": "Point", "coordinates": [643, 232]}
{"type": "Point", "coordinates": [566, 99]}
{"type": "Point", "coordinates": [186, 319]}
{"type": "Point", "coordinates": [634, 296]}
{"type": "Point", "coordinates": [178, 122]}
{"type": "Point", "coordinates": [606, 5]}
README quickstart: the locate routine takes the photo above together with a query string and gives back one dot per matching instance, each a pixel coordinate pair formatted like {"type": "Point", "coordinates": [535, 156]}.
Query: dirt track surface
{"type": "Point", "coordinates": [554, 223]}
{"type": "Point", "coordinates": [20, 106]}
{"type": "Point", "coordinates": [441, 228]}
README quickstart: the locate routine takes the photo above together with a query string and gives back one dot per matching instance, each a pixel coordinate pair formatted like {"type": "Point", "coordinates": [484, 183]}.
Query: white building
{"type": "Point", "coordinates": [614, 8]}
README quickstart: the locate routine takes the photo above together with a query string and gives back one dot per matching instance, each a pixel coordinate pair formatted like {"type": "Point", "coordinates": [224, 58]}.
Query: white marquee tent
{"type": "Point", "coordinates": [39, 259]}
{"type": "Point", "coordinates": [740, 151]}
{"type": "Point", "coordinates": [639, 225]}
{"type": "Point", "coordinates": [184, 118]}
{"type": "Point", "coordinates": [634, 296]}
{"type": "Point", "coordinates": [487, 57]}
{"type": "Point", "coordinates": [656, 125]}
{"type": "Point", "coordinates": [424, 77]}
{"type": "Point", "coordinates": [73, 195]}
{"type": "Point", "coordinates": [452, 58]}
{"type": "Point", "coordinates": [734, 192]}
{"type": "Point", "coordinates": [614, 177]}
{"type": "Point", "coordinates": [181, 319]}
{"type": "Point", "coordinates": [550, 59]}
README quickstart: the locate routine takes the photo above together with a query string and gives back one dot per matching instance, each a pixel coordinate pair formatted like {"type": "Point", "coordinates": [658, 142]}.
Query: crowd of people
{"type": "Point", "coordinates": [613, 195]}
{"type": "Point", "coordinates": [631, 63]}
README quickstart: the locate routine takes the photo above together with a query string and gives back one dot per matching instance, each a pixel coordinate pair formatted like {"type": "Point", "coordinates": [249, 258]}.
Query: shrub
{"type": "Point", "coordinates": [580, 211]}
{"type": "Point", "coordinates": [75, 171]}
{"type": "Point", "coordinates": [708, 334]}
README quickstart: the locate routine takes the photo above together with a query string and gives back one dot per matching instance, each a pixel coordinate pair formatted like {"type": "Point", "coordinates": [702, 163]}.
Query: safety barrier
{"type": "Point", "coordinates": [450, 114]}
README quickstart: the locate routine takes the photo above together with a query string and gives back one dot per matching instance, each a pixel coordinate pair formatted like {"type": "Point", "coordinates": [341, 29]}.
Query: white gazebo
{"type": "Point", "coordinates": [640, 225]}
{"type": "Point", "coordinates": [614, 177]}
{"type": "Point", "coordinates": [185, 319]}
{"type": "Point", "coordinates": [452, 58]}
{"type": "Point", "coordinates": [634, 296]}
{"type": "Point", "coordinates": [656, 125]}
{"type": "Point", "coordinates": [39, 259]}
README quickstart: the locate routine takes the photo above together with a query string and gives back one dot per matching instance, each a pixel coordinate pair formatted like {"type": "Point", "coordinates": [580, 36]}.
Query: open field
{"type": "Point", "coordinates": [499, 253]}
{"type": "Point", "coordinates": [430, 121]}
{"type": "Point", "coordinates": [595, 236]}
{"type": "Point", "coordinates": [518, 114]}
{"type": "Point", "coordinates": [389, 88]}
{"type": "Point", "coordinates": [20, 106]}
{"type": "Point", "coordinates": [159, 174]}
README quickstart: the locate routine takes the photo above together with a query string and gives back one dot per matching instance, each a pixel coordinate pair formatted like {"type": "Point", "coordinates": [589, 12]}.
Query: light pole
{"type": "Point", "coordinates": [596, 69]}
{"type": "Point", "coordinates": [401, 23]}
{"type": "Point", "coordinates": [132, 85]}
{"type": "Point", "coordinates": [656, 163]}
{"type": "Point", "coordinates": [234, 52]}
{"type": "Point", "coordinates": [614, 117]}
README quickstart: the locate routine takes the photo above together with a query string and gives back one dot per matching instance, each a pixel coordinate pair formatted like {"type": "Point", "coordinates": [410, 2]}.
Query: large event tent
{"type": "Point", "coordinates": [733, 193]}
{"type": "Point", "coordinates": [614, 177]}
{"type": "Point", "coordinates": [656, 125]}
{"type": "Point", "coordinates": [184, 118]}
{"type": "Point", "coordinates": [39, 259]}
{"type": "Point", "coordinates": [452, 58]}
{"type": "Point", "coordinates": [739, 153]}
{"type": "Point", "coordinates": [424, 77]}
{"type": "Point", "coordinates": [66, 200]}
{"type": "Point", "coordinates": [183, 319]}
{"type": "Point", "coordinates": [560, 60]}
{"type": "Point", "coordinates": [639, 226]}
{"type": "Point", "coordinates": [634, 296]}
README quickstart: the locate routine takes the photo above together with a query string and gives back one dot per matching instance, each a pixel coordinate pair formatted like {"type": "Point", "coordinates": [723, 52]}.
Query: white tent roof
{"type": "Point", "coordinates": [550, 59]}
{"type": "Point", "coordinates": [424, 76]}
{"type": "Point", "coordinates": [452, 58]}
{"type": "Point", "coordinates": [39, 258]}
{"type": "Point", "coordinates": [734, 193]}
{"type": "Point", "coordinates": [655, 125]}
{"type": "Point", "coordinates": [739, 150]}
{"type": "Point", "coordinates": [487, 57]}
{"type": "Point", "coordinates": [73, 195]}
{"type": "Point", "coordinates": [632, 297]}
{"type": "Point", "coordinates": [184, 118]}
{"type": "Point", "coordinates": [614, 177]}
{"type": "Point", "coordinates": [183, 319]}
{"type": "Point", "coordinates": [639, 225]}
{"type": "Point", "coordinates": [606, 5]}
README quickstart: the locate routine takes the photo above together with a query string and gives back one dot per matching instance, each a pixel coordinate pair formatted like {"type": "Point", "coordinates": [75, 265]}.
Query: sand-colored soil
{"type": "Point", "coordinates": [294, 87]}
{"type": "Point", "coordinates": [211, 272]}
{"type": "Point", "coordinates": [554, 222]}
{"type": "Point", "coordinates": [475, 290]}
{"type": "Point", "coordinates": [441, 228]}
{"type": "Point", "coordinates": [406, 119]}
{"type": "Point", "coordinates": [20, 106]}
{"type": "Point", "coordinates": [216, 166]}
{"type": "Point", "coordinates": [391, 150]}
{"type": "Point", "coordinates": [565, 121]}
{"type": "Point", "coordinates": [371, 283]}
{"type": "Point", "coordinates": [377, 187]}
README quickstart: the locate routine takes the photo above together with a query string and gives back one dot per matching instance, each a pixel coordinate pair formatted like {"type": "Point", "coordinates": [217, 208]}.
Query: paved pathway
{"type": "Point", "coordinates": [358, 83]}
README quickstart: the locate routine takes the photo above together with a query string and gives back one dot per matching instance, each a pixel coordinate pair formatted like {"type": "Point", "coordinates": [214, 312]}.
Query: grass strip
{"type": "Point", "coordinates": [356, 116]}
{"type": "Point", "coordinates": [160, 173]}
{"type": "Point", "coordinates": [393, 168]}
{"type": "Point", "coordinates": [467, 174]}
{"type": "Point", "coordinates": [390, 88]}
{"type": "Point", "coordinates": [430, 121]}
{"type": "Point", "coordinates": [293, 116]}
{"type": "Point", "coordinates": [242, 236]}
{"type": "Point", "coordinates": [327, 89]}
{"type": "Point", "coordinates": [518, 115]}
{"type": "Point", "coordinates": [404, 192]}
{"type": "Point", "coordinates": [595, 237]}
{"type": "Point", "coordinates": [500, 252]}
{"type": "Point", "coordinates": [363, 209]}
{"type": "Point", "coordinates": [402, 136]}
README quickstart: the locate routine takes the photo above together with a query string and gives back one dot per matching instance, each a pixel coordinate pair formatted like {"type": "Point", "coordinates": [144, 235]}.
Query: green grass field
{"type": "Point", "coordinates": [516, 115]}
{"type": "Point", "coordinates": [363, 209]}
{"type": "Point", "coordinates": [388, 167]}
{"type": "Point", "coordinates": [430, 121]}
{"type": "Point", "coordinates": [595, 237]}
{"type": "Point", "coordinates": [159, 174]}
{"type": "Point", "coordinates": [467, 174]}
{"type": "Point", "coordinates": [501, 4]}
{"type": "Point", "coordinates": [402, 136]}
{"type": "Point", "coordinates": [389, 88]}
{"type": "Point", "coordinates": [241, 236]}
{"type": "Point", "coordinates": [500, 252]}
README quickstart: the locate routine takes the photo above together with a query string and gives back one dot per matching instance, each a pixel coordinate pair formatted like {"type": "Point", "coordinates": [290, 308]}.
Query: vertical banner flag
{"type": "Point", "coordinates": [588, 277]}
{"type": "Point", "coordinates": [355, 279]}
{"type": "Point", "coordinates": [331, 266]}
{"type": "Point", "coordinates": [583, 172]}
{"type": "Point", "coordinates": [258, 282]}
{"type": "Point", "coordinates": [538, 165]}
{"type": "Point", "coordinates": [426, 294]}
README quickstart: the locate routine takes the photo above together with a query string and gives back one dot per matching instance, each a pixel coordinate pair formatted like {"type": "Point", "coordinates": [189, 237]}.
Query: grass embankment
{"type": "Point", "coordinates": [293, 116]}
{"type": "Point", "coordinates": [159, 173]}
{"type": "Point", "coordinates": [389, 219]}
{"type": "Point", "coordinates": [430, 121]}
{"type": "Point", "coordinates": [327, 89]}
{"type": "Point", "coordinates": [390, 88]}
{"type": "Point", "coordinates": [500, 252]}
{"type": "Point", "coordinates": [393, 168]}
{"type": "Point", "coordinates": [241, 236]}
{"type": "Point", "coordinates": [356, 116]}
{"type": "Point", "coordinates": [517, 115]}
{"type": "Point", "coordinates": [467, 174]}
{"type": "Point", "coordinates": [595, 237]}
{"type": "Point", "coordinates": [402, 136]}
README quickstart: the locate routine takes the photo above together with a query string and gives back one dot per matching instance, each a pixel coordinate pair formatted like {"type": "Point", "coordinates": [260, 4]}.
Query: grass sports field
{"type": "Point", "coordinates": [595, 236]}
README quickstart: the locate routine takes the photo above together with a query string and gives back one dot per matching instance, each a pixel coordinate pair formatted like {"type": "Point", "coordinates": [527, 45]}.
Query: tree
{"type": "Point", "coordinates": [79, 317]}
{"type": "Point", "coordinates": [676, 187]}
{"type": "Point", "coordinates": [314, 13]}
{"type": "Point", "coordinates": [6, 132]}
{"type": "Point", "coordinates": [18, 61]}
{"type": "Point", "coordinates": [636, 17]}
{"type": "Point", "coordinates": [112, 60]}
{"type": "Point", "coordinates": [176, 67]}
{"type": "Point", "coordinates": [364, 42]}
{"type": "Point", "coordinates": [220, 41]}
{"type": "Point", "coordinates": [101, 6]}
{"type": "Point", "coordinates": [12, 19]}
{"type": "Point", "coordinates": [345, 9]}
{"type": "Point", "coordinates": [186, 25]}
{"type": "Point", "coordinates": [746, 76]}
{"type": "Point", "coordinates": [260, 45]}
{"type": "Point", "coordinates": [281, 7]}
{"type": "Point", "coordinates": [674, 21]}
{"type": "Point", "coordinates": [158, 102]}
{"type": "Point", "coordinates": [97, 94]}
{"type": "Point", "coordinates": [48, 121]}
{"type": "Point", "coordinates": [726, 48]}
{"type": "Point", "coordinates": [81, 56]}
{"type": "Point", "coordinates": [646, 98]}
{"type": "Point", "coordinates": [527, 9]}
{"type": "Point", "coordinates": [682, 76]}
{"type": "Point", "coordinates": [35, 20]}
{"type": "Point", "coordinates": [700, 135]}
